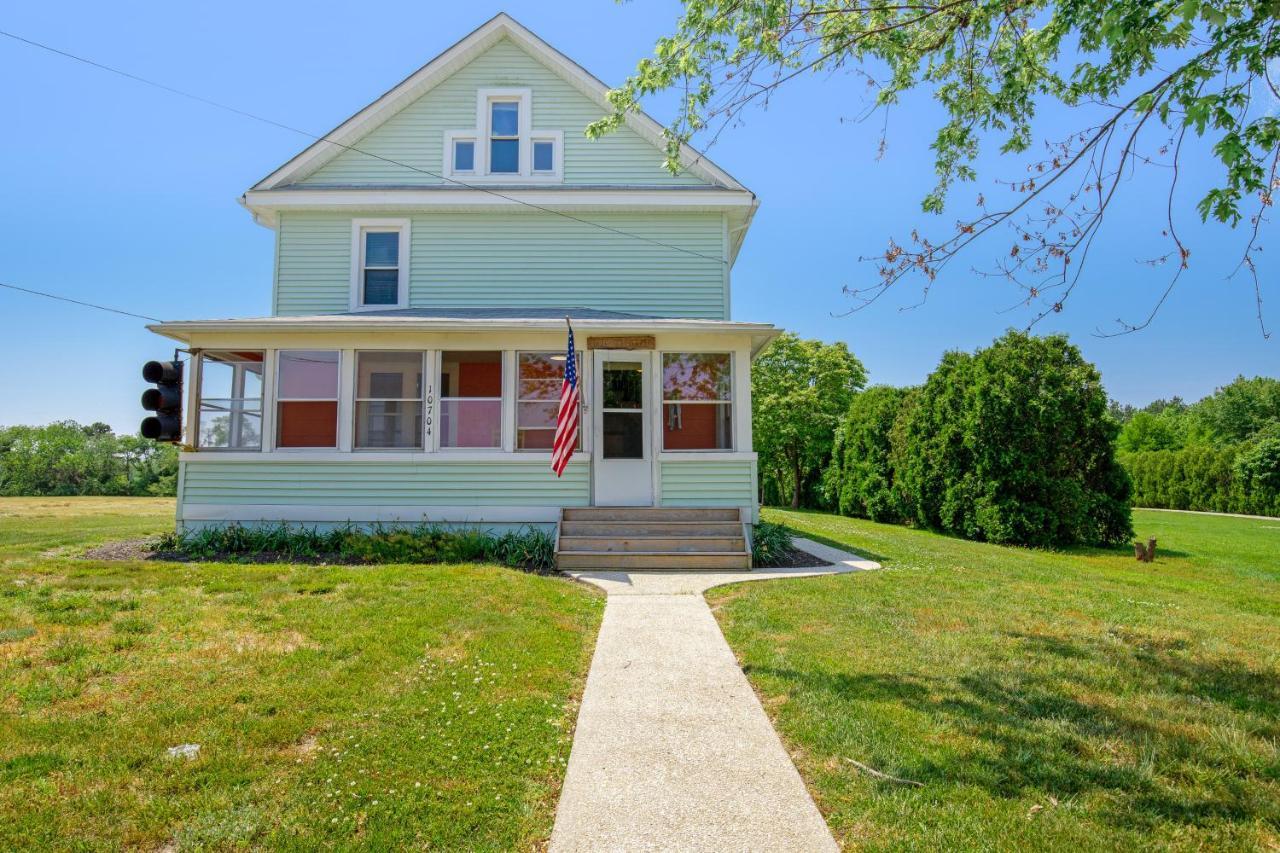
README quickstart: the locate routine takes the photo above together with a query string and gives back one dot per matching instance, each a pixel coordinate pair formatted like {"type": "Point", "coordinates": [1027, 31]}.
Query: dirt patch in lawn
{"type": "Point", "coordinates": [127, 549]}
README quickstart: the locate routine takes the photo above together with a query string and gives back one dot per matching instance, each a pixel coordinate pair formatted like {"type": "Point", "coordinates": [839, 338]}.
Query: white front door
{"type": "Point", "coordinates": [621, 460]}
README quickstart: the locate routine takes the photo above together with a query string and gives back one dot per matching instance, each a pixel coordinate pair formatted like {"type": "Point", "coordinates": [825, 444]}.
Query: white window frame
{"type": "Point", "coordinates": [356, 400]}
{"type": "Point", "coordinates": [239, 373]}
{"type": "Point", "coordinates": [341, 396]}
{"type": "Point", "coordinates": [732, 402]}
{"type": "Point", "coordinates": [360, 227]}
{"type": "Point", "coordinates": [454, 136]}
{"type": "Point", "coordinates": [504, 359]}
{"type": "Point", "coordinates": [481, 136]}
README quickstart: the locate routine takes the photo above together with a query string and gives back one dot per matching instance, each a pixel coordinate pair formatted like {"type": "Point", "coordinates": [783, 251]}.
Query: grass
{"type": "Point", "coordinates": [1045, 700]}
{"type": "Point", "coordinates": [335, 706]}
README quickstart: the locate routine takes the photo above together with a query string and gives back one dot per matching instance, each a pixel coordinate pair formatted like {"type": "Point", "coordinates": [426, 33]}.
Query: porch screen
{"type": "Point", "coordinates": [471, 399]}
{"type": "Point", "coordinates": [230, 400]}
{"type": "Point", "coordinates": [697, 401]}
{"type": "Point", "coordinates": [307, 399]}
{"type": "Point", "coordinates": [388, 400]}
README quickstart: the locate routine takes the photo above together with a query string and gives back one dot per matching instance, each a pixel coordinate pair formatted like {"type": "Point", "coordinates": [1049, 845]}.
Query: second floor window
{"type": "Point", "coordinates": [504, 137]}
{"type": "Point", "coordinates": [381, 274]}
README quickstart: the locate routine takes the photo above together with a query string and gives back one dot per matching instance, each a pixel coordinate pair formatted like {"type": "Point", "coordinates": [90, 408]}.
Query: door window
{"type": "Point", "coordinates": [622, 410]}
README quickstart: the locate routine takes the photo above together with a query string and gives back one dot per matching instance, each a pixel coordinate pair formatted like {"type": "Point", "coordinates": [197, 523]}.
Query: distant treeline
{"type": "Point", "coordinates": [66, 458]}
{"type": "Point", "coordinates": [1221, 454]}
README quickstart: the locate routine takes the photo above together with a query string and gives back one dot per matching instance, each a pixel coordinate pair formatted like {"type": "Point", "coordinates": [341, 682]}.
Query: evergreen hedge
{"type": "Point", "coordinates": [1240, 478]}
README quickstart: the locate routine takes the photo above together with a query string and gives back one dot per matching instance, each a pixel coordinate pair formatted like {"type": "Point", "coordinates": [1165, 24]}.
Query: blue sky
{"type": "Point", "coordinates": [120, 194]}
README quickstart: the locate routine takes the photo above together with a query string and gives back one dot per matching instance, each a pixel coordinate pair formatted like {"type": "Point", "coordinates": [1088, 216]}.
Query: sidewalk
{"type": "Point", "coordinates": [672, 748]}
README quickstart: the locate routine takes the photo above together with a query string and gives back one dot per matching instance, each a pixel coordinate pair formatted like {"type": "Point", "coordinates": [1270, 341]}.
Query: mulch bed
{"type": "Point", "coordinates": [794, 558]}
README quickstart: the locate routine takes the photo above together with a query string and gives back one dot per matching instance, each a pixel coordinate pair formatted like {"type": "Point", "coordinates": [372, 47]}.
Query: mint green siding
{"type": "Point", "coordinates": [415, 135]}
{"type": "Point", "coordinates": [361, 483]}
{"type": "Point", "coordinates": [520, 259]}
{"type": "Point", "coordinates": [699, 483]}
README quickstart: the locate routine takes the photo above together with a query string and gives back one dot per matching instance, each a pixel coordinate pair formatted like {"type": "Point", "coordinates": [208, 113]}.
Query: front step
{"type": "Point", "coordinates": [652, 539]}
{"type": "Point", "coordinates": [633, 543]}
{"type": "Point", "coordinates": [653, 561]}
{"type": "Point", "coordinates": [674, 529]}
{"type": "Point", "coordinates": [647, 513]}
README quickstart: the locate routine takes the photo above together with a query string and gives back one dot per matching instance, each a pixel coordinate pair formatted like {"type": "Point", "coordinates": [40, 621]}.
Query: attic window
{"type": "Point", "coordinates": [504, 137]}
{"type": "Point", "coordinates": [504, 147]}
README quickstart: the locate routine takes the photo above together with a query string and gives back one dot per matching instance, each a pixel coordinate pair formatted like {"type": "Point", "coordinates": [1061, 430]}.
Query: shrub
{"type": "Point", "coordinates": [769, 542]}
{"type": "Point", "coordinates": [1243, 478]}
{"type": "Point", "coordinates": [531, 549]}
{"type": "Point", "coordinates": [860, 479]}
{"type": "Point", "coordinates": [1014, 444]}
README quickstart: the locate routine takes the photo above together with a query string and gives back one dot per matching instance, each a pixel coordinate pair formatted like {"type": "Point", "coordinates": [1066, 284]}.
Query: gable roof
{"type": "Point", "coordinates": [443, 66]}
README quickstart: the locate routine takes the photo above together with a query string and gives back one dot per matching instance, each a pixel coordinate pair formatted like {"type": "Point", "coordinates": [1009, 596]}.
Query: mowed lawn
{"type": "Point", "coordinates": [1046, 701]}
{"type": "Point", "coordinates": [376, 707]}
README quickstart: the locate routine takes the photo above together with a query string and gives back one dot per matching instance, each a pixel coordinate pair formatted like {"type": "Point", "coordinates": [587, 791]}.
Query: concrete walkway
{"type": "Point", "coordinates": [672, 750]}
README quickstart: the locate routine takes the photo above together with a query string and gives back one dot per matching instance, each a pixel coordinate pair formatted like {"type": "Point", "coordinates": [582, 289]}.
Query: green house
{"type": "Point", "coordinates": [428, 253]}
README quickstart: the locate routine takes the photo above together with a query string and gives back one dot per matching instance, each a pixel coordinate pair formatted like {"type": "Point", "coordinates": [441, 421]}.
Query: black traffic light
{"type": "Point", "coordinates": [165, 400]}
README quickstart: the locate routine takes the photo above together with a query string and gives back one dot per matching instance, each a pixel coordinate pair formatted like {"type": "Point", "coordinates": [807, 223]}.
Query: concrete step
{"type": "Point", "coordinates": [671, 529]}
{"type": "Point", "coordinates": [654, 561]}
{"type": "Point", "coordinates": [649, 513]}
{"type": "Point", "coordinates": [630, 543]}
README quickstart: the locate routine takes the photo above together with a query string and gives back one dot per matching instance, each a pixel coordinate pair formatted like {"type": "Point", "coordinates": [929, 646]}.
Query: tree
{"type": "Point", "coordinates": [1240, 410]}
{"type": "Point", "coordinates": [799, 391]}
{"type": "Point", "coordinates": [860, 480]}
{"type": "Point", "coordinates": [65, 458]}
{"type": "Point", "coordinates": [1137, 75]}
{"type": "Point", "coordinates": [1014, 444]}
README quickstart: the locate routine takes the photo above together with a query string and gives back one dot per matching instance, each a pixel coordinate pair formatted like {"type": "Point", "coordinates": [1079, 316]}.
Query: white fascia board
{"type": "Point", "coordinates": [359, 323]}
{"type": "Point", "coordinates": [440, 68]}
{"type": "Point", "coordinates": [267, 204]}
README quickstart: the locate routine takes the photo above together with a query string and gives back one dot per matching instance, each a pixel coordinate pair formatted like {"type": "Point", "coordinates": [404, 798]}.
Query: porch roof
{"type": "Point", "coordinates": [482, 318]}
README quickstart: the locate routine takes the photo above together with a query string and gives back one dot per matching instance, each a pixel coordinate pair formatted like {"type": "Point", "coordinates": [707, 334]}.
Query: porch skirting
{"type": "Point", "coordinates": [495, 490]}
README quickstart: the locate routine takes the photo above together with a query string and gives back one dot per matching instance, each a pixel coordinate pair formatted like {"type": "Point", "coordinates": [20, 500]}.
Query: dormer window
{"type": "Point", "coordinates": [379, 263]}
{"type": "Point", "coordinates": [504, 147]}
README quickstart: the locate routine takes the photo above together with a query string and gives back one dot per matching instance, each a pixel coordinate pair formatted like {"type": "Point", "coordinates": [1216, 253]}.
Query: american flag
{"type": "Point", "coordinates": [567, 419]}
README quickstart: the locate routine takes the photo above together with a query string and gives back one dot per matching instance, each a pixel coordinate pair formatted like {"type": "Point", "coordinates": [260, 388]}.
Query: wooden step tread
{"type": "Point", "coordinates": [653, 553]}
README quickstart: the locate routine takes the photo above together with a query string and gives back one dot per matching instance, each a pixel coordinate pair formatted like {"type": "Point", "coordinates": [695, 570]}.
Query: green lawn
{"type": "Point", "coordinates": [1046, 700]}
{"type": "Point", "coordinates": [379, 707]}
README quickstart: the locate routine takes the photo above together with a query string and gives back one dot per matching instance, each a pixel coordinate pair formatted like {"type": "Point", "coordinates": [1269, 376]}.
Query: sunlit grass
{"type": "Point", "coordinates": [1045, 700]}
{"type": "Point", "coordinates": [334, 706]}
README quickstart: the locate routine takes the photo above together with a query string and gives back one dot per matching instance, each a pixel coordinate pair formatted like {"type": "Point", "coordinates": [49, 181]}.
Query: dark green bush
{"type": "Point", "coordinates": [1013, 444]}
{"type": "Point", "coordinates": [531, 549]}
{"type": "Point", "coordinates": [1244, 479]}
{"type": "Point", "coordinates": [860, 479]}
{"type": "Point", "coordinates": [769, 543]}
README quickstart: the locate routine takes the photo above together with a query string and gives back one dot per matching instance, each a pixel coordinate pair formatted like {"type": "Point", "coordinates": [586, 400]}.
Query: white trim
{"type": "Point", "coordinates": [408, 514]}
{"type": "Point", "coordinates": [450, 138]}
{"type": "Point", "coordinates": [443, 66]}
{"type": "Point", "coordinates": [556, 138]}
{"type": "Point", "coordinates": [361, 226]}
{"type": "Point", "coordinates": [272, 201]}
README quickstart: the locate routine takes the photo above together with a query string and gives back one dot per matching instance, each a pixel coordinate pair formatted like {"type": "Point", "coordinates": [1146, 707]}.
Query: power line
{"type": "Point", "coordinates": [78, 302]}
{"type": "Point", "coordinates": [272, 122]}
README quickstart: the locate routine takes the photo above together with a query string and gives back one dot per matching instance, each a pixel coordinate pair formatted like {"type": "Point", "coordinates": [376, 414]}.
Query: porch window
{"type": "Point", "coordinates": [389, 400]}
{"type": "Point", "coordinates": [230, 394]}
{"type": "Point", "coordinates": [697, 401]}
{"type": "Point", "coordinates": [471, 399]}
{"type": "Point", "coordinates": [307, 398]}
{"type": "Point", "coordinates": [540, 376]}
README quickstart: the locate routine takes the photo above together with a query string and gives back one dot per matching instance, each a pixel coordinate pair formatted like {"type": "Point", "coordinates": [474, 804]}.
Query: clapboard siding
{"type": "Point", "coordinates": [372, 483]}
{"type": "Point", "coordinates": [415, 135]}
{"type": "Point", "coordinates": [519, 259]}
{"type": "Point", "coordinates": [701, 483]}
